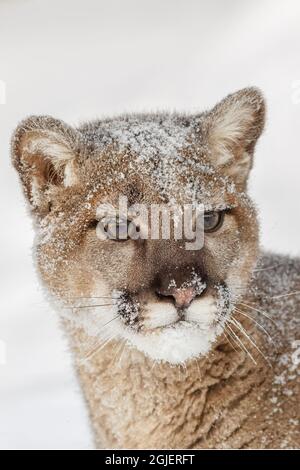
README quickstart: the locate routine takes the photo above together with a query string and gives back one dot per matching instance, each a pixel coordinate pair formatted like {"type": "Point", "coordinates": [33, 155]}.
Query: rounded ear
{"type": "Point", "coordinates": [45, 153]}
{"type": "Point", "coordinates": [232, 128]}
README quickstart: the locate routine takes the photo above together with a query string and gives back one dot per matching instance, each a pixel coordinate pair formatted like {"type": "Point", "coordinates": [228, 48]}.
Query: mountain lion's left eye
{"type": "Point", "coordinates": [213, 221]}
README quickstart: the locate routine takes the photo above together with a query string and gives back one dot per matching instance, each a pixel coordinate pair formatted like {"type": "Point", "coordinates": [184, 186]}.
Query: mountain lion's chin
{"type": "Point", "coordinates": [175, 344]}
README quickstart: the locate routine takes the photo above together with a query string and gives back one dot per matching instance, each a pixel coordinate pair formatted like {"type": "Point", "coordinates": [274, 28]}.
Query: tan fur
{"type": "Point", "coordinates": [241, 391]}
{"type": "Point", "coordinates": [224, 400]}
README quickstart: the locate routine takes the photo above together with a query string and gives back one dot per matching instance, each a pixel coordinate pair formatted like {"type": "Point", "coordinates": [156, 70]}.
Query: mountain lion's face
{"type": "Point", "coordinates": [168, 301]}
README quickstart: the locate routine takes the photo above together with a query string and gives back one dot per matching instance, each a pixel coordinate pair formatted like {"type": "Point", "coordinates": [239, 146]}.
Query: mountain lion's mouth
{"type": "Point", "coordinates": [164, 333]}
{"type": "Point", "coordinates": [157, 314]}
{"type": "Point", "coordinates": [176, 342]}
{"type": "Point", "coordinates": [177, 323]}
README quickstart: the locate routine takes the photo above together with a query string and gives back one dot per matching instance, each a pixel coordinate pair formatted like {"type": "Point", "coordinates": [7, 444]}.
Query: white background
{"type": "Point", "coordinates": [78, 60]}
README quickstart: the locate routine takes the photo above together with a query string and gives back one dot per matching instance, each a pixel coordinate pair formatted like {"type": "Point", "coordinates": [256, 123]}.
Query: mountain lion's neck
{"type": "Point", "coordinates": [143, 401]}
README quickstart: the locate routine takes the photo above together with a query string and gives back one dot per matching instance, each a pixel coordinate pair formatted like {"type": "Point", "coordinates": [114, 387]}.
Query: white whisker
{"type": "Point", "coordinates": [242, 330]}
{"type": "Point", "coordinates": [98, 348]}
{"type": "Point", "coordinates": [255, 321]}
{"type": "Point", "coordinates": [286, 295]}
{"type": "Point", "coordinates": [242, 344]}
{"type": "Point", "coordinates": [259, 311]}
{"type": "Point", "coordinates": [268, 268]}
{"type": "Point", "coordinates": [229, 338]}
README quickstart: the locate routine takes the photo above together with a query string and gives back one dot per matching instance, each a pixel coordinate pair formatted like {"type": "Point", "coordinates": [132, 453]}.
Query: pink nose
{"type": "Point", "coordinates": [183, 297]}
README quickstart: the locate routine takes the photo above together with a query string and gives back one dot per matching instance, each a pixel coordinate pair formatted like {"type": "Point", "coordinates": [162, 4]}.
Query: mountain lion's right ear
{"type": "Point", "coordinates": [44, 152]}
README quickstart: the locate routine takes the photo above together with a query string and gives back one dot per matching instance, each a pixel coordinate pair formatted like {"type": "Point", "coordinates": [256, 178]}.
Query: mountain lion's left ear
{"type": "Point", "coordinates": [231, 130]}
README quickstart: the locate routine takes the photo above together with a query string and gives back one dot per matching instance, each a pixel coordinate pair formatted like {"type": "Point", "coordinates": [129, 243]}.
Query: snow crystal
{"type": "Point", "coordinates": [164, 148]}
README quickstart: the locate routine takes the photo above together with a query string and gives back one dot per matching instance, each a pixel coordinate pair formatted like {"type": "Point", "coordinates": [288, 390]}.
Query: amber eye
{"type": "Point", "coordinates": [213, 221]}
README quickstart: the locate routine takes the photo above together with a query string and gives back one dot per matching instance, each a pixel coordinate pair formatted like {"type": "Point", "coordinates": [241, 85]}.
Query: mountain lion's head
{"type": "Point", "coordinates": [168, 301]}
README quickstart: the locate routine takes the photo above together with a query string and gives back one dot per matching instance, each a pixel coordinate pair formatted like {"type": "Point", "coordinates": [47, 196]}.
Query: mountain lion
{"type": "Point", "coordinates": [174, 347]}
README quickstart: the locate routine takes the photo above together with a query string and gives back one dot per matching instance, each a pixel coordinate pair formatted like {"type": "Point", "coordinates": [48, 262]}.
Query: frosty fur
{"type": "Point", "coordinates": [225, 376]}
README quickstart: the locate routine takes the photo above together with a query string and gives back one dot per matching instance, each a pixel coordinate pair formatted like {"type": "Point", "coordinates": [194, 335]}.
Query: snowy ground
{"type": "Point", "coordinates": [78, 60]}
